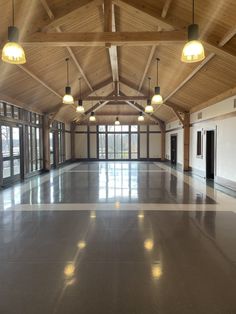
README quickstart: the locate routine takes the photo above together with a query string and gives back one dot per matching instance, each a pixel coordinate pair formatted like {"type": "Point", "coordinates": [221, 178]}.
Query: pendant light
{"type": "Point", "coordinates": [92, 117]}
{"type": "Point", "coordinates": [157, 98]}
{"type": "Point", "coordinates": [68, 98]}
{"type": "Point", "coordinates": [80, 107]}
{"type": "Point", "coordinates": [12, 52]}
{"type": "Point", "coordinates": [193, 50]}
{"type": "Point", "coordinates": [141, 117]}
{"type": "Point", "coordinates": [117, 122]}
{"type": "Point", "coordinates": [149, 107]}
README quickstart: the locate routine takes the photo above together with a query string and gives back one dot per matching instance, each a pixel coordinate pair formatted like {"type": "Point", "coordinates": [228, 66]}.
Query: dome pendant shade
{"type": "Point", "coordinates": [117, 122]}
{"type": "Point", "coordinates": [80, 107]}
{"type": "Point", "coordinates": [141, 117]}
{"type": "Point", "coordinates": [68, 98]}
{"type": "Point", "coordinates": [149, 107]}
{"type": "Point", "coordinates": [157, 98]}
{"type": "Point", "coordinates": [92, 118]}
{"type": "Point", "coordinates": [12, 52]}
{"type": "Point", "coordinates": [193, 50]}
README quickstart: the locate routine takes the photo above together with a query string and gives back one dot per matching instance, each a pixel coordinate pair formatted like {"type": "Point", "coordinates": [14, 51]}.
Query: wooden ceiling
{"type": "Point", "coordinates": [39, 84]}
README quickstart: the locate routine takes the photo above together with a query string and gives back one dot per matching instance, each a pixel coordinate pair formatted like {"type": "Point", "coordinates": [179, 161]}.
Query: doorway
{"type": "Point", "coordinates": [210, 154]}
{"type": "Point", "coordinates": [12, 159]}
{"type": "Point", "coordinates": [174, 149]}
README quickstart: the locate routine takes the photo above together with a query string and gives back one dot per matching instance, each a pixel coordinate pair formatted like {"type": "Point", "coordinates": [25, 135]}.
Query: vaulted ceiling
{"type": "Point", "coordinates": [39, 84]}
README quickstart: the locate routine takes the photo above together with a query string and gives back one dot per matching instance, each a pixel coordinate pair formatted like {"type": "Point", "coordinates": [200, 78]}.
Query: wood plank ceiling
{"type": "Point", "coordinates": [39, 84]}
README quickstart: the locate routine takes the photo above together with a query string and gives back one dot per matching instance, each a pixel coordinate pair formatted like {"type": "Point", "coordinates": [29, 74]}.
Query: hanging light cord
{"type": "Point", "coordinates": [80, 88]}
{"type": "Point", "coordinates": [193, 11]}
{"type": "Point", "coordinates": [149, 92]}
{"type": "Point", "coordinates": [157, 71]}
{"type": "Point", "coordinates": [67, 66]}
{"type": "Point", "coordinates": [13, 13]}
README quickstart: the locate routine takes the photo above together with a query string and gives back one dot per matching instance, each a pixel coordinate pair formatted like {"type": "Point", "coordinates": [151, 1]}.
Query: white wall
{"type": "Point", "coordinates": [219, 117]}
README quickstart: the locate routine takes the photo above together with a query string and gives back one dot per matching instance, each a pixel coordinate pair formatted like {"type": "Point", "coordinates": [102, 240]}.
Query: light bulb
{"type": "Point", "coordinates": [80, 109]}
{"type": "Point", "coordinates": [193, 51]}
{"type": "Point", "coordinates": [141, 118]}
{"type": "Point", "coordinates": [92, 118]}
{"type": "Point", "coordinates": [157, 100]}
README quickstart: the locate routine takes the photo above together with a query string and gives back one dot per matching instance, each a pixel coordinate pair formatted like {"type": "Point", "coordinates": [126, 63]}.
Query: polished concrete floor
{"type": "Point", "coordinates": [117, 238]}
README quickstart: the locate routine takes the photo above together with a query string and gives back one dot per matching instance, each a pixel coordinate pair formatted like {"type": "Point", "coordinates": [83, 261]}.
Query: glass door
{"type": "Point", "coordinates": [11, 153]}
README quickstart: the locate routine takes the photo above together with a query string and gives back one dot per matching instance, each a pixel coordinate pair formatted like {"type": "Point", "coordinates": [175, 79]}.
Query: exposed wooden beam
{"type": "Point", "coordinates": [152, 117]}
{"type": "Point", "coordinates": [170, 23]}
{"type": "Point", "coordinates": [229, 93]}
{"type": "Point", "coordinates": [114, 98]}
{"type": "Point", "coordinates": [166, 8]}
{"type": "Point", "coordinates": [107, 15]}
{"type": "Point", "coordinates": [107, 114]}
{"type": "Point", "coordinates": [190, 76]}
{"type": "Point", "coordinates": [101, 38]}
{"type": "Point", "coordinates": [65, 12]}
{"type": "Point", "coordinates": [144, 76]}
{"type": "Point", "coordinates": [37, 79]}
{"type": "Point", "coordinates": [228, 36]}
{"type": "Point", "coordinates": [47, 9]}
{"type": "Point", "coordinates": [96, 107]}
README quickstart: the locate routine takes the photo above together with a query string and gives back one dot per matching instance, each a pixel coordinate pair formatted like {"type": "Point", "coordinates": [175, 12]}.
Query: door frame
{"type": "Point", "coordinates": [176, 136]}
{"type": "Point", "coordinates": [215, 149]}
{"type": "Point", "coordinates": [13, 178]}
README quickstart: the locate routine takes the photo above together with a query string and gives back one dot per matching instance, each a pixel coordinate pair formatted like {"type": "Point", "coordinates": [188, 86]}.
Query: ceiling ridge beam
{"type": "Point", "coordinates": [88, 39]}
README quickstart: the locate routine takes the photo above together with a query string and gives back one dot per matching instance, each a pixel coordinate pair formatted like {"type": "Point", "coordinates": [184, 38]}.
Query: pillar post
{"type": "Point", "coordinates": [186, 140]}
{"type": "Point", "coordinates": [163, 143]}
{"type": "Point", "coordinates": [72, 142]}
{"type": "Point", "coordinates": [46, 143]}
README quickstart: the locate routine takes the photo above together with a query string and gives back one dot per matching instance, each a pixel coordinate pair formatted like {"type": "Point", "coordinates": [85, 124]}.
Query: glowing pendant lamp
{"type": "Point", "coordinates": [157, 98]}
{"type": "Point", "coordinates": [80, 107]}
{"type": "Point", "coordinates": [12, 52]}
{"type": "Point", "coordinates": [117, 122]}
{"type": "Point", "coordinates": [149, 107]}
{"type": "Point", "coordinates": [92, 117]}
{"type": "Point", "coordinates": [141, 117]}
{"type": "Point", "coordinates": [68, 98]}
{"type": "Point", "coordinates": [193, 50]}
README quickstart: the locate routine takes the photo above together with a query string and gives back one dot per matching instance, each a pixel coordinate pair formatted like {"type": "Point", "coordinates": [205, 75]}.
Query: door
{"type": "Point", "coordinates": [174, 149]}
{"type": "Point", "coordinates": [12, 159]}
{"type": "Point", "coordinates": [210, 154]}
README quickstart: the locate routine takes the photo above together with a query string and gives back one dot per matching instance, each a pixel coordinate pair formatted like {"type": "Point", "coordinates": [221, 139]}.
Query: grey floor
{"type": "Point", "coordinates": [119, 261]}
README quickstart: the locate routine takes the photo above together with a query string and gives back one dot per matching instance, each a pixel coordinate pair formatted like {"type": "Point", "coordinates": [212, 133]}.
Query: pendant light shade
{"type": "Point", "coordinates": [92, 117]}
{"type": "Point", "coordinates": [80, 107]}
{"type": "Point", "coordinates": [193, 50]}
{"type": "Point", "coordinates": [12, 52]}
{"type": "Point", "coordinates": [141, 117]}
{"type": "Point", "coordinates": [157, 98]}
{"type": "Point", "coordinates": [149, 107]}
{"type": "Point", "coordinates": [68, 98]}
{"type": "Point", "coordinates": [117, 122]}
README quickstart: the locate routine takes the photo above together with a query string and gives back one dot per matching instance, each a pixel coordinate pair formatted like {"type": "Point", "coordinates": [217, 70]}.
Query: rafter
{"type": "Point", "coordinates": [65, 12]}
{"type": "Point", "coordinates": [170, 23]}
{"type": "Point", "coordinates": [37, 79]}
{"type": "Point", "coordinates": [166, 8]}
{"type": "Point", "coordinates": [101, 38]}
{"type": "Point", "coordinates": [227, 37]}
{"type": "Point", "coordinates": [47, 9]}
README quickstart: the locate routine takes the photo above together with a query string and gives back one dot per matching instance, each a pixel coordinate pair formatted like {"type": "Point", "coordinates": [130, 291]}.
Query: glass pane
{"type": "Point", "coordinates": [16, 166]}
{"type": "Point", "coordinates": [102, 128]}
{"type": "Point", "coordinates": [33, 118]}
{"type": "Point", "coordinates": [134, 146]}
{"type": "Point", "coordinates": [125, 146]}
{"type": "Point", "coordinates": [125, 128]}
{"type": "Point", "coordinates": [6, 142]}
{"type": "Point", "coordinates": [51, 141]}
{"type": "Point", "coordinates": [102, 146]}
{"type": "Point", "coordinates": [1, 109]}
{"type": "Point", "coordinates": [37, 117]}
{"type": "Point", "coordinates": [6, 169]}
{"type": "Point", "coordinates": [16, 141]}
{"type": "Point", "coordinates": [111, 148]}
{"type": "Point", "coordinates": [51, 158]}
{"type": "Point", "coordinates": [117, 146]}
{"type": "Point", "coordinates": [111, 128]}
{"type": "Point", "coordinates": [134, 128]}
{"type": "Point", "coordinates": [16, 113]}
{"type": "Point", "coordinates": [118, 128]}
{"type": "Point", "coordinates": [8, 111]}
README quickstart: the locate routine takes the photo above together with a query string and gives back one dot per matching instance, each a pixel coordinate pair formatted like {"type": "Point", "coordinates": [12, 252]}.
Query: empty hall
{"type": "Point", "coordinates": [117, 157]}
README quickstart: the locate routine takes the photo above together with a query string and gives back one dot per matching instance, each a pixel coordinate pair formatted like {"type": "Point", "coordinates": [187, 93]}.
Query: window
{"type": "Point", "coordinates": [34, 148]}
{"type": "Point", "coordinates": [199, 143]}
{"type": "Point", "coordinates": [1, 109]}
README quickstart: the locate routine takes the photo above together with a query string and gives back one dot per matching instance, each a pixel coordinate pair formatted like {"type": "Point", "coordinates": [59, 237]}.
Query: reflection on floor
{"type": "Point", "coordinates": [151, 254]}
{"type": "Point", "coordinates": [125, 182]}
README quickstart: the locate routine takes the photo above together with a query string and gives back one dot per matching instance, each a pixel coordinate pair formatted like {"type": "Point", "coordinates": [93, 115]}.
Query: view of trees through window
{"type": "Point", "coordinates": [118, 142]}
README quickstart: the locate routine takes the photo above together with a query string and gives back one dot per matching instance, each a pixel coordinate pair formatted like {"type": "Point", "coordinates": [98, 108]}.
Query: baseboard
{"type": "Point", "coordinates": [198, 172]}
{"type": "Point", "coordinates": [226, 183]}
{"type": "Point", "coordinates": [95, 159]}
